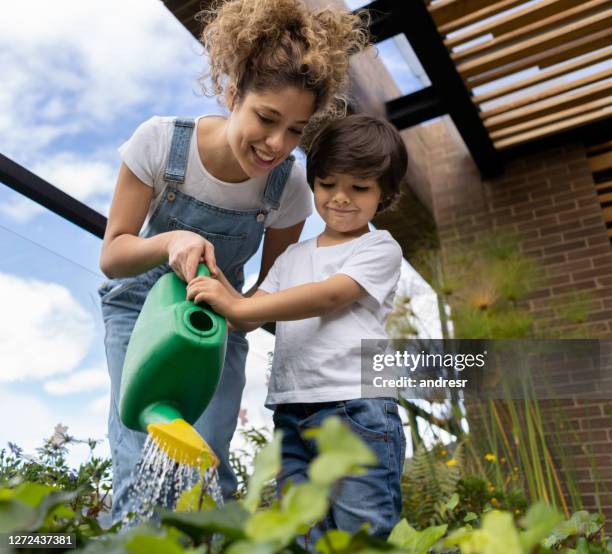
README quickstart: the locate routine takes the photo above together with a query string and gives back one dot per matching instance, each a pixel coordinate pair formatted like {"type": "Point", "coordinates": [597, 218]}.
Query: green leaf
{"type": "Point", "coordinates": [341, 452]}
{"type": "Point", "coordinates": [189, 501]}
{"type": "Point", "coordinates": [267, 465]}
{"type": "Point", "coordinates": [306, 503]}
{"type": "Point", "coordinates": [247, 547]}
{"type": "Point", "coordinates": [453, 501]}
{"type": "Point", "coordinates": [333, 541]}
{"type": "Point", "coordinates": [31, 493]}
{"type": "Point", "coordinates": [230, 519]}
{"type": "Point", "coordinates": [15, 516]}
{"type": "Point", "coordinates": [49, 503]}
{"type": "Point", "coordinates": [470, 516]}
{"type": "Point", "coordinates": [538, 522]}
{"type": "Point", "coordinates": [147, 544]}
{"type": "Point", "coordinates": [416, 542]}
{"type": "Point", "coordinates": [272, 526]}
{"type": "Point", "coordinates": [497, 534]}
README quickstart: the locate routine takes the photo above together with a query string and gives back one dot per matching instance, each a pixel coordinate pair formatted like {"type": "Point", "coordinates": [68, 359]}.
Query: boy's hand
{"type": "Point", "coordinates": [211, 291]}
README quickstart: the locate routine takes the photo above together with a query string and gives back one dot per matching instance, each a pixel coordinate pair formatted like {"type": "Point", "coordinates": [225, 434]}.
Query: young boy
{"type": "Point", "coordinates": [327, 294]}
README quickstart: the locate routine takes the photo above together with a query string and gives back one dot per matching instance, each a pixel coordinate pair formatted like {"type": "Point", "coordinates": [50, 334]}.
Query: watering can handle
{"type": "Point", "coordinates": [202, 271]}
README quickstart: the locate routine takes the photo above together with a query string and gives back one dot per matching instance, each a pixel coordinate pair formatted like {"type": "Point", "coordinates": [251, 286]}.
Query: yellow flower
{"type": "Point", "coordinates": [493, 500]}
{"type": "Point", "coordinates": [451, 462]}
{"type": "Point", "coordinates": [517, 511]}
{"type": "Point", "coordinates": [490, 457]}
{"type": "Point", "coordinates": [443, 453]}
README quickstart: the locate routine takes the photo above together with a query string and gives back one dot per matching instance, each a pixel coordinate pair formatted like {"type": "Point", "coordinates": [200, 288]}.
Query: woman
{"type": "Point", "coordinates": [209, 189]}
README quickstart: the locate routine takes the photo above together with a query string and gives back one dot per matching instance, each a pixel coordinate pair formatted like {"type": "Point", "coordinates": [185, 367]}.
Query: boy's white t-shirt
{"type": "Point", "coordinates": [146, 154]}
{"type": "Point", "coordinates": [318, 359]}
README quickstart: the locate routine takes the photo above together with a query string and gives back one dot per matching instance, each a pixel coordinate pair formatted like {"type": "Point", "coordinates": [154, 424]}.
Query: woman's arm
{"type": "Point", "coordinates": [124, 253]}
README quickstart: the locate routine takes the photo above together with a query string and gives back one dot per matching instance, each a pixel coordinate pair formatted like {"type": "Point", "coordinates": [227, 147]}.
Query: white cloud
{"type": "Point", "coordinates": [44, 331]}
{"type": "Point", "coordinates": [27, 419]}
{"type": "Point", "coordinates": [79, 381]}
{"type": "Point", "coordinates": [20, 209]}
{"type": "Point", "coordinates": [86, 64]}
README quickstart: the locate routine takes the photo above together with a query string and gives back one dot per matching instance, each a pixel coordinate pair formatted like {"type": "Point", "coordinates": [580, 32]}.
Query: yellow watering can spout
{"type": "Point", "coordinates": [181, 442]}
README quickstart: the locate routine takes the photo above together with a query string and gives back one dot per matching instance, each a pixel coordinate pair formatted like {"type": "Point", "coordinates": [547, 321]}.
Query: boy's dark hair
{"type": "Point", "coordinates": [361, 146]}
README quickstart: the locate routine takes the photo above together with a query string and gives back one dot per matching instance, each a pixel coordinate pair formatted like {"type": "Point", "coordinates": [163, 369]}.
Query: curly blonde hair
{"type": "Point", "coordinates": [257, 45]}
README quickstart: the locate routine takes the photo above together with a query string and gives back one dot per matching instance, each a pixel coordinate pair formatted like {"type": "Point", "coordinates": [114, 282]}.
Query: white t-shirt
{"type": "Point", "coordinates": [318, 359]}
{"type": "Point", "coordinates": [146, 153]}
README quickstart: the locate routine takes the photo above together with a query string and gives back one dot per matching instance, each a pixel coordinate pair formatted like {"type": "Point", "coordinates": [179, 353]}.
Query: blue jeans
{"type": "Point", "coordinates": [374, 497]}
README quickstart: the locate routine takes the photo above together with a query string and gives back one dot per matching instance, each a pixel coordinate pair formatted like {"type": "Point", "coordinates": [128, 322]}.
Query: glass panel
{"type": "Point", "coordinates": [52, 357]}
{"type": "Point", "coordinates": [403, 64]}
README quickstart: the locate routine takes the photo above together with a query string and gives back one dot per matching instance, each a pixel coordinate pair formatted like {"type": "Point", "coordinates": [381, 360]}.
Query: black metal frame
{"type": "Point", "coordinates": [447, 94]}
{"type": "Point", "coordinates": [27, 183]}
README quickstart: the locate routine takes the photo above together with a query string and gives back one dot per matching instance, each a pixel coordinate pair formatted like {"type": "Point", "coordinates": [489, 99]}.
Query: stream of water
{"type": "Point", "coordinates": [159, 481]}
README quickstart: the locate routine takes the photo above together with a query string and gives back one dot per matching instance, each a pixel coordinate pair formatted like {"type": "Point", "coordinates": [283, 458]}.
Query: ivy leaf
{"type": "Point", "coordinates": [189, 501]}
{"type": "Point", "coordinates": [272, 526]}
{"type": "Point", "coordinates": [15, 516]}
{"type": "Point", "coordinates": [306, 503]}
{"type": "Point", "coordinates": [453, 501]}
{"type": "Point", "coordinates": [341, 452]}
{"type": "Point", "coordinates": [49, 503]}
{"type": "Point", "coordinates": [247, 547]}
{"type": "Point", "coordinates": [230, 519]}
{"type": "Point", "coordinates": [148, 544]}
{"type": "Point", "coordinates": [267, 465]}
{"type": "Point", "coordinates": [31, 493]}
{"type": "Point", "coordinates": [538, 522]}
{"type": "Point", "coordinates": [498, 534]}
{"type": "Point", "coordinates": [335, 540]}
{"type": "Point", "coordinates": [417, 542]}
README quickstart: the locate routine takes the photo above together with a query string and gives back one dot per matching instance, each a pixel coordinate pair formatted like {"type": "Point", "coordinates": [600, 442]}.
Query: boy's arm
{"type": "Point", "coordinates": [300, 302]}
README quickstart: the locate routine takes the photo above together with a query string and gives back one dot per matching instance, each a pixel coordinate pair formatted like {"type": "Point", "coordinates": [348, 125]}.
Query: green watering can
{"type": "Point", "coordinates": [172, 367]}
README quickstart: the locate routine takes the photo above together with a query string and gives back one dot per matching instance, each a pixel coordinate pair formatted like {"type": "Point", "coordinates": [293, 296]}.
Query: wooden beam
{"type": "Point", "coordinates": [536, 29]}
{"type": "Point", "coordinates": [566, 124]}
{"type": "Point", "coordinates": [561, 53]}
{"type": "Point", "coordinates": [583, 28]}
{"type": "Point", "coordinates": [550, 118]}
{"type": "Point", "coordinates": [450, 10]}
{"type": "Point", "coordinates": [515, 20]}
{"type": "Point", "coordinates": [598, 148]}
{"type": "Point", "coordinates": [544, 107]}
{"type": "Point", "coordinates": [488, 11]}
{"type": "Point", "coordinates": [547, 93]}
{"type": "Point", "coordinates": [604, 185]}
{"type": "Point", "coordinates": [600, 162]}
{"type": "Point", "coordinates": [421, 32]}
{"type": "Point", "coordinates": [545, 75]}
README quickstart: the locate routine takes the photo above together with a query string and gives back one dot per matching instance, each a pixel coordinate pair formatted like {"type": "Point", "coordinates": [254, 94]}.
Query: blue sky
{"type": "Point", "coordinates": [78, 78]}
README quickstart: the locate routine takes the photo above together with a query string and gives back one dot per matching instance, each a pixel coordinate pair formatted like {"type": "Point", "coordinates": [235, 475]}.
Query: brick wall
{"type": "Point", "coordinates": [548, 200]}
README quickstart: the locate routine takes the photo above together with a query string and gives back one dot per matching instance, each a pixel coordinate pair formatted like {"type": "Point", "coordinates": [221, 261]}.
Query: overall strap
{"type": "Point", "coordinates": [276, 183]}
{"type": "Point", "coordinates": [179, 150]}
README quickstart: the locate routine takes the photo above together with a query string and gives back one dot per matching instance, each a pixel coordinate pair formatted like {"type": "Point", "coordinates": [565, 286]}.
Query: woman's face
{"type": "Point", "coordinates": [264, 127]}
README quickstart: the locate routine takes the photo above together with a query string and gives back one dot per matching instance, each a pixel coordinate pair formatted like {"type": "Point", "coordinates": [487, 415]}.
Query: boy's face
{"type": "Point", "coordinates": [346, 203]}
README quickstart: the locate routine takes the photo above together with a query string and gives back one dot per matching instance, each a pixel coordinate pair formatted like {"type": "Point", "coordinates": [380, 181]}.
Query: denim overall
{"type": "Point", "coordinates": [236, 236]}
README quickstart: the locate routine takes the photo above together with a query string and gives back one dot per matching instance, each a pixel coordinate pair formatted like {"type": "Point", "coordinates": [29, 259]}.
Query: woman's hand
{"type": "Point", "coordinates": [211, 291]}
{"type": "Point", "coordinates": [186, 250]}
